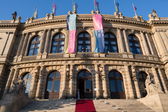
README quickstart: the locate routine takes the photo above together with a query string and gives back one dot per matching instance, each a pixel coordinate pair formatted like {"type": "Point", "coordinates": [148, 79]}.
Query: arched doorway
{"type": "Point", "coordinates": [53, 85]}
{"type": "Point", "coordinates": [142, 76]}
{"type": "Point", "coordinates": [27, 78]}
{"type": "Point", "coordinates": [116, 85]}
{"type": "Point", "coordinates": [84, 85]}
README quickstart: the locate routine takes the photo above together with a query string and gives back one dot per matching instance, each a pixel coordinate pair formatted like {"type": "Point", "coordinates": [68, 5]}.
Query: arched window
{"type": "Point", "coordinates": [134, 44]}
{"type": "Point", "coordinates": [142, 76]}
{"type": "Point", "coordinates": [116, 85]}
{"type": "Point", "coordinates": [34, 46]}
{"type": "Point", "coordinates": [53, 85]}
{"type": "Point", "coordinates": [110, 42]}
{"type": "Point", "coordinates": [58, 43]}
{"type": "Point", "coordinates": [84, 43]}
{"type": "Point", "coordinates": [27, 81]}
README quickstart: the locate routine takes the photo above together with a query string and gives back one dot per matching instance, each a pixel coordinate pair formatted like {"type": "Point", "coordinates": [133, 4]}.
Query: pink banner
{"type": "Point", "coordinates": [97, 22]}
{"type": "Point", "coordinates": [72, 40]}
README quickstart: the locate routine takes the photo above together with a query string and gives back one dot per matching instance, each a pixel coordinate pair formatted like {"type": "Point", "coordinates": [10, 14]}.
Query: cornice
{"type": "Point", "coordinates": [86, 17]}
{"type": "Point", "coordinates": [8, 25]}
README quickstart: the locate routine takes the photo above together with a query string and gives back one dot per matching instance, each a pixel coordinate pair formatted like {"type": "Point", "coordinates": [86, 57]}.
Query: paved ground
{"type": "Point", "coordinates": [100, 105]}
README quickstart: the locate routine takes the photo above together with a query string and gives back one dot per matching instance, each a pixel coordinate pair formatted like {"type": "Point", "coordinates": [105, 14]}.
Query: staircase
{"type": "Point", "coordinates": [44, 105]}
{"type": "Point", "coordinates": [120, 105]}
{"type": "Point", "coordinates": [103, 105]}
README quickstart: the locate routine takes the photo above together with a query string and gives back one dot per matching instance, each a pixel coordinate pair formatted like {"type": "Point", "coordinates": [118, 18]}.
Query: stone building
{"type": "Point", "coordinates": [34, 52]}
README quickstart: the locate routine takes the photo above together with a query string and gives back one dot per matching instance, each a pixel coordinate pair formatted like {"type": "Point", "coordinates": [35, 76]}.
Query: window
{"type": "Point", "coordinates": [58, 43]}
{"type": "Point", "coordinates": [134, 44]}
{"type": "Point", "coordinates": [34, 46]}
{"type": "Point", "coordinates": [27, 81]}
{"type": "Point", "coordinates": [110, 42]}
{"type": "Point", "coordinates": [84, 43]}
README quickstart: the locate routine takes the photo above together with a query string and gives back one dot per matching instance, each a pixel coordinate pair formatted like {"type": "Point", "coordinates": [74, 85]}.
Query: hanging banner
{"type": "Point", "coordinates": [98, 32]}
{"type": "Point", "coordinates": [71, 26]}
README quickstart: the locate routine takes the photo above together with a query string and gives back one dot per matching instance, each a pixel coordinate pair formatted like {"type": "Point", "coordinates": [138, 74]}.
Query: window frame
{"type": "Point", "coordinates": [35, 42]}
{"type": "Point", "coordinates": [84, 39]}
{"type": "Point", "coordinates": [58, 46]}
{"type": "Point", "coordinates": [109, 40]}
{"type": "Point", "coordinates": [133, 41]}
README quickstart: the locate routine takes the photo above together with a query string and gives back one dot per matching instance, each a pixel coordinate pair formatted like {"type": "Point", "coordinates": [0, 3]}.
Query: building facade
{"type": "Point", "coordinates": [136, 50]}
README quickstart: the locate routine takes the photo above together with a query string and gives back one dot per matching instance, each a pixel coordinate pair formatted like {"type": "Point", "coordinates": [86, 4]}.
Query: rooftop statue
{"type": "Point", "coordinates": [14, 15]}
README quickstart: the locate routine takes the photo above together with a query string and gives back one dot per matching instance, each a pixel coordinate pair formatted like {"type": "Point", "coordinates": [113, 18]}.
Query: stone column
{"type": "Point", "coordinates": [25, 42]}
{"type": "Point", "coordinates": [162, 79]}
{"type": "Point", "coordinates": [66, 41]}
{"type": "Point", "coordinates": [40, 83]}
{"type": "Point", "coordinates": [126, 41]}
{"type": "Point", "coordinates": [104, 83]}
{"type": "Point", "coordinates": [71, 82]}
{"type": "Point", "coordinates": [144, 43]}
{"type": "Point", "coordinates": [156, 78]}
{"type": "Point", "coordinates": [46, 48]}
{"type": "Point", "coordinates": [165, 39]}
{"type": "Point", "coordinates": [9, 80]}
{"type": "Point", "coordinates": [64, 79]}
{"type": "Point", "coordinates": [42, 42]}
{"type": "Point", "coordinates": [14, 77]}
{"type": "Point", "coordinates": [160, 44]}
{"type": "Point", "coordinates": [149, 43]}
{"type": "Point", "coordinates": [120, 41]}
{"type": "Point", "coordinates": [129, 83]}
{"type": "Point", "coordinates": [20, 45]}
{"type": "Point", "coordinates": [97, 80]}
{"type": "Point", "coordinates": [166, 70]}
{"type": "Point", "coordinates": [34, 82]}
{"type": "Point", "coordinates": [134, 74]}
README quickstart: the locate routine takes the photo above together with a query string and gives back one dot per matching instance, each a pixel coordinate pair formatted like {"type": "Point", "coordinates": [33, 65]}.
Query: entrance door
{"type": "Point", "coordinates": [116, 85]}
{"type": "Point", "coordinates": [53, 85]}
{"type": "Point", "coordinates": [84, 86]}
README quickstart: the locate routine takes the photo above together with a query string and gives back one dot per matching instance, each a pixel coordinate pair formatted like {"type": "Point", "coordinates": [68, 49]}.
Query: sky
{"type": "Point", "coordinates": [26, 8]}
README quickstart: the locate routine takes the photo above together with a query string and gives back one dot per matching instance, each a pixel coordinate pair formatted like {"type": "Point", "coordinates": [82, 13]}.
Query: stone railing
{"type": "Point", "coordinates": [147, 58]}
{"type": "Point", "coordinates": [28, 58]}
{"type": "Point", "coordinates": [52, 56]}
{"type": "Point", "coordinates": [87, 55]}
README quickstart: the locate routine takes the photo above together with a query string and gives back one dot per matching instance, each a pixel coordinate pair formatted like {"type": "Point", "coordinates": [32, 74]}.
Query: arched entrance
{"type": "Point", "coordinates": [53, 85]}
{"type": "Point", "coordinates": [27, 78]}
{"type": "Point", "coordinates": [142, 76]}
{"type": "Point", "coordinates": [116, 85]}
{"type": "Point", "coordinates": [84, 85]}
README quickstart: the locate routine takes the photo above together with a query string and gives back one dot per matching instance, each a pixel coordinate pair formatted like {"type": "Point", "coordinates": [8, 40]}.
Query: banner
{"type": "Point", "coordinates": [71, 26]}
{"type": "Point", "coordinates": [98, 32]}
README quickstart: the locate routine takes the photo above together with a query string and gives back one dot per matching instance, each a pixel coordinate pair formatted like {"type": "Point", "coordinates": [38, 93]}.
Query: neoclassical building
{"type": "Point", "coordinates": [136, 50]}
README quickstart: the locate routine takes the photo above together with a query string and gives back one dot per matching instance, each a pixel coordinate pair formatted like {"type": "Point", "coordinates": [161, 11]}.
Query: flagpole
{"type": "Point", "coordinates": [134, 9]}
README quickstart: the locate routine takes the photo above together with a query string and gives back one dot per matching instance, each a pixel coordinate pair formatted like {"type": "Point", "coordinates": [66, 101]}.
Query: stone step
{"type": "Point", "coordinates": [100, 105]}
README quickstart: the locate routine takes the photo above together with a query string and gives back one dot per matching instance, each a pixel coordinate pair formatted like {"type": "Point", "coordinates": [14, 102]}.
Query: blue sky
{"type": "Point", "coordinates": [25, 8]}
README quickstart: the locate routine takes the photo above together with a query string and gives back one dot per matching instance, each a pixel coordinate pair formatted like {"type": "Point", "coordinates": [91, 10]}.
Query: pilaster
{"type": "Point", "coordinates": [126, 41]}
{"type": "Point", "coordinates": [120, 41]}
{"type": "Point", "coordinates": [40, 82]}
{"type": "Point", "coordinates": [130, 93]}
{"type": "Point", "coordinates": [134, 75]}
{"type": "Point", "coordinates": [8, 84]}
{"type": "Point", "coordinates": [97, 80]}
{"type": "Point", "coordinates": [104, 83]}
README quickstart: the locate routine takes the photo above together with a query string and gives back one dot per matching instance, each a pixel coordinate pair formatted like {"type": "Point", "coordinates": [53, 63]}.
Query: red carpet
{"type": "Point", "coordinates": [85, 106]}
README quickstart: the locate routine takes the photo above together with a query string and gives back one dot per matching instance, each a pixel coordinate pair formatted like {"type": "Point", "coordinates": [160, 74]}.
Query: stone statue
{"type": "Point", "coordinates": [151, 86]}
{"type": "Point", "coordinates": [154, 13]}
{"type": "Point", "coordinates": [18, 87]}
{"type": "Point", "coordinates": [14, 15]}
